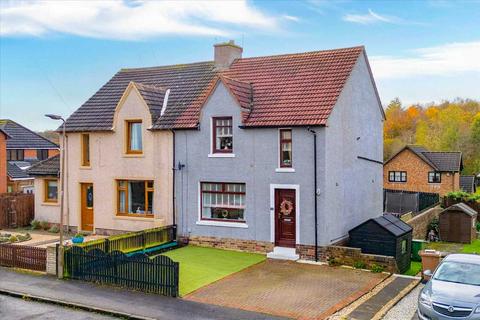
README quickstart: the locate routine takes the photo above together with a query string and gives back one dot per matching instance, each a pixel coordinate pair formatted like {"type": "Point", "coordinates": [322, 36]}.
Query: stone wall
{"type": "Point", "coordinates": [232, 244]}
{"type": "Point", "coordinates": [420, 222]}
{"type": "Point", "coordinates": [52, 260]}
{"type": "Point", "coordinates": [347, 256]}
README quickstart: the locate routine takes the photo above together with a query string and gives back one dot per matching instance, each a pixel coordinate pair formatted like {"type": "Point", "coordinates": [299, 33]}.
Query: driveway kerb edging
{"type": "Point", "coordinates": [379, 315]}
{"type": "Point", "coordinates": [72, 305]}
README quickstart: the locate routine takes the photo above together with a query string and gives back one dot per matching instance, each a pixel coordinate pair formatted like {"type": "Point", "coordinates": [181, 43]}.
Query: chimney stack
{"type": "Point", "coordinates": [226, 53]}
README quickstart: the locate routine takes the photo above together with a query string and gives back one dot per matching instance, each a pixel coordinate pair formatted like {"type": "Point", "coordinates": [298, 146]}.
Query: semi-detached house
{"type": "Point", "coordinates": [272, 154]}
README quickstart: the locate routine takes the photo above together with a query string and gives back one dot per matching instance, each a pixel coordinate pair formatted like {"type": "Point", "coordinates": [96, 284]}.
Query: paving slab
{"type": "Point", "coordinates": [290, 289]}
{"type": "Point", "coordinates": [117, 301]}
{"type": "Point", "coordinates": [370, 308]}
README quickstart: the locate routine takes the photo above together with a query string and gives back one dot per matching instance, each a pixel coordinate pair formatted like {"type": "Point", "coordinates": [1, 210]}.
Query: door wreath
{"type": "Point", "coordinates": [286, 207]}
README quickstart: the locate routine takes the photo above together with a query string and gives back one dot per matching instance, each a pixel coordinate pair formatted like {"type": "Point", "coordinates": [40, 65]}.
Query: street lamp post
{"type": "Point", "coordinates": [60, 257]}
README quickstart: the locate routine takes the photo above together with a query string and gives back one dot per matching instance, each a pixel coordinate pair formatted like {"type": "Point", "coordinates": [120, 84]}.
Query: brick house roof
{"type": "Point", "coordinates": [20, 137]}
{"type": "Point", "coordinates": [442, 161]}
{"type": "Point", "coordinates": [47, 167]}
{"type": "Point", "coordinates": [292, 89]}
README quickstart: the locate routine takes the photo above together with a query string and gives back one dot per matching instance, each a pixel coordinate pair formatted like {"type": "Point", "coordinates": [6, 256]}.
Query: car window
{"type": "Point", "coordinates": [459, 272]}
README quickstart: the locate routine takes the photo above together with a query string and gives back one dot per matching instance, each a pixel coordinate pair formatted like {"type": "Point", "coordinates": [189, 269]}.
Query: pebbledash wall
{"type": "Point", "coordinates": [108, 162]}
{"type": "Point", "coordinates": [349, 188]}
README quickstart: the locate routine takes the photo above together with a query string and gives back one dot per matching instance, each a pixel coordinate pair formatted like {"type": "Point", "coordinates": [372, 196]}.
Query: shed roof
{"type": "Point", "coordinates": [390, 223]}
{"type": "Point", "coordinates": [15, 171]}
{"type": "Point", "coordinates": [467, 183]}
{"type": "Point", "coordinates": [461, 207]}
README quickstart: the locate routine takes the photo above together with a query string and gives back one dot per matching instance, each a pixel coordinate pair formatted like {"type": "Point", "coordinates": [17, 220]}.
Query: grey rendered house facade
{"type": "Point", "coordinates": [226, 151]}
{"type": "Point", "coordinates": [277, 203]}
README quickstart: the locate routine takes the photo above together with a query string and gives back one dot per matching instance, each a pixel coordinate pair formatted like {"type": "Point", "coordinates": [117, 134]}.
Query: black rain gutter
{"type": "Point", "coordinates": [315, 188]}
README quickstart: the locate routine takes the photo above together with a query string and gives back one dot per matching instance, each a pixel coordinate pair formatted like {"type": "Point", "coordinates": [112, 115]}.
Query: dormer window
{"type": "Point", "coordinates": [222, 135]}
{"type": "Point", "coordinates": [134, 136]}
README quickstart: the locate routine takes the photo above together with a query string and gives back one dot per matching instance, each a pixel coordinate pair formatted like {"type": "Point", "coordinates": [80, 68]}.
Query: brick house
{"type": "Point", "coordinates": [3, 161]}
{"type": "Point", "coordinates": [414, 168]}
{"type": "Point", "coordinates": [23, 148]}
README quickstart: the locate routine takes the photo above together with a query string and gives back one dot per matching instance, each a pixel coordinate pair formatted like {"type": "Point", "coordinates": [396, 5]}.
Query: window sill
{"type": "Point", "coordinates": [284, 170]}
{"type": "Point", "coordinates": [222, 224]}
{"type": "Point", "coordinates": [50, 204]}
{"type": "Point", "coordinates": [133, 155]}
{"type": "Point", "coordinates": [85, 167]}
{"type": "Point", "coordinates": [132, 217]}
{"type": "Point", "coordinates": [221, 155]}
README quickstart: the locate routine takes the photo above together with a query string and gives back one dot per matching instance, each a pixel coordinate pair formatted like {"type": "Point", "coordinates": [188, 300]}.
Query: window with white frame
{"type": "Point", "coordinates": [434, 177]}
{"type": "Point", "coordinates": [222, 201]}
{"type": "Point", "coordinates": [222, 135]}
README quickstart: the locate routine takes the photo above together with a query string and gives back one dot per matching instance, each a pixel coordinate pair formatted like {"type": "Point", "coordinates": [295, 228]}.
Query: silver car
{"type": "Point", "coordinates": [453, 291]}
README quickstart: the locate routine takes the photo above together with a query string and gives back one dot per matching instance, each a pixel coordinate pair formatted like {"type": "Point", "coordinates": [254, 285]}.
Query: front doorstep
{"type": "Point", "coordinates": [282, 253]}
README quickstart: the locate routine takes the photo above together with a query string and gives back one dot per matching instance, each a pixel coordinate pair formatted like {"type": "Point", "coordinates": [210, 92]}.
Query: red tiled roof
{"type": "Point", "coordinates": [294, 89]}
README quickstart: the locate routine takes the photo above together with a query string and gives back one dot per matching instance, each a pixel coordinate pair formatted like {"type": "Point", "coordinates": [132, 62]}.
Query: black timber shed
{"type": "Point", "coordinates": [387, 236]}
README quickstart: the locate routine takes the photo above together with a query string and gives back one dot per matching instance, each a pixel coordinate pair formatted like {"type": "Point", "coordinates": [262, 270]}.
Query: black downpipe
{"type": "Point", "coordinates": [173, 183]}
{"type": "Point", "coordinates": [315, 189]}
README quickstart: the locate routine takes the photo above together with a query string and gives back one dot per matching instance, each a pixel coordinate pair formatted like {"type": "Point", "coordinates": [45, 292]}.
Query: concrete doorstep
{"type": "Point", "coordinates": [378, 305]}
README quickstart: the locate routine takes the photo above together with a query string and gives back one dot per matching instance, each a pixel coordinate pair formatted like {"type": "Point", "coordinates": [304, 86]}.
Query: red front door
{"type": "Point", "coordinates": [285, 218]}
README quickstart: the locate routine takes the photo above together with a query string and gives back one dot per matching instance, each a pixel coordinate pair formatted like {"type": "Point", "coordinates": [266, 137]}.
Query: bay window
{"type": "Point", "coordinates": [222, 201]}
{"type": "Point", "coordinates": [222, 135]}
{"type": "Point", "coordinates": [135, 197]}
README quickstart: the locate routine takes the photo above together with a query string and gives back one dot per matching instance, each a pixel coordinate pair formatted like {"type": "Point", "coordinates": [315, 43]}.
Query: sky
{"type": "Point", "coordinates": [54, 55]}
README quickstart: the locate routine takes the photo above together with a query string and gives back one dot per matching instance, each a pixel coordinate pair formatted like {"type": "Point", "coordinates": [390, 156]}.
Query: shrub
{"type": "Point", "coordinates": [458, 195]}
{"type": "Point", "coordinates": [478, 226]}
{"type": "Point", "coordinates": [474, 197]}
{"type": "Point", "coordinates": [24, 237]}
{"type": "Point", "coordinates": [433, 225]}
{"type": "Point", "coordinates": [375, 268]}
{"type": "Point", "coordinates": [44, 225]}
{"type": "Point", "coordinates": [54, 229]}
{"type": "Point", "coordinates": [35, 224]}
{"type": "Point", "coordinates": [78, 235]}
{"type": "Point", "coordinates": [359, 265]}
{"type": "Point", "coordinates": [332, 261]}
{"type": "Point", "coordinates": [13, 239]}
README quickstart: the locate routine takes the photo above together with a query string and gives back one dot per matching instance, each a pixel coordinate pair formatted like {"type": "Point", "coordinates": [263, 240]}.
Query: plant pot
{"type": "Point", "coordinates": [77, 239]}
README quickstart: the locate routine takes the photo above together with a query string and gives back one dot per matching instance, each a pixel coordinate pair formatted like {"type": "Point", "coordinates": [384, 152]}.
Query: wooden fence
{"type": "Point", "coordinates": [24, 257]}
{"type": "Point", "coordinates": [139, 272]}
{"type": "Point", "coordinates": [16, 210]}
{"type": "Point", "coordinates": [134, 241]}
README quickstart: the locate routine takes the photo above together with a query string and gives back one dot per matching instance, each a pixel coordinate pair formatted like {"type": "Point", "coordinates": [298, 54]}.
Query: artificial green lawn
{"type": "Point", "coordinates": [415, 268]}
{"type": "Point", "coordinates": [201, 266]}
{"type": "Point", "coordinates": [474, 247]}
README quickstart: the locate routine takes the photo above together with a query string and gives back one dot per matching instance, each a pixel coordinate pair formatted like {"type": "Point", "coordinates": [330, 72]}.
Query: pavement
{"type": "Point", "coordinates": [289, 289]}
{"type": "Point", "coordinates": [19, 309]}
{"type": "Point", "coordinates": [405, 308]}
{"type": "Point", "coordinates": [114, 301]}
{"type": "Point", "coordinates": [377, 305]}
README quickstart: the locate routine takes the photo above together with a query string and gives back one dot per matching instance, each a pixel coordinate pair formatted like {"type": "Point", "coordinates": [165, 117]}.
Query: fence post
{"type": "Point", "coordinates": [107, 245]}
{"type": "Point", "coordinates": [144, 242]}
{"type": "Point", "coordinates": [56, 260]}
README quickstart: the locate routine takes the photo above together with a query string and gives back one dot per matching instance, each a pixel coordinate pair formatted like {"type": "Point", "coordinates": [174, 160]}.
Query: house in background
{"type": "Point", "coordinates": [3, 161]}
{"type": "Point", "coordinates": [24, 148]}
{"type": "Point", "coordinates": [414, 168]}
{"type": "Point", "coordinates": [240, 135]}
{"type": "Point", "coordinates": [46, 174]}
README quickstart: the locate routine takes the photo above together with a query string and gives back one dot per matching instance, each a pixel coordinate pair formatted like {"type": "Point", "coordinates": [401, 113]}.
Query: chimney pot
{"type": "Point", "coordinates": [225, 53]}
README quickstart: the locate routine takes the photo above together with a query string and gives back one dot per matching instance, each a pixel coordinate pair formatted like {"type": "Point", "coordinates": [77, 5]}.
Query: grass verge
{"type": "Point", "coordinates": [415, 268]}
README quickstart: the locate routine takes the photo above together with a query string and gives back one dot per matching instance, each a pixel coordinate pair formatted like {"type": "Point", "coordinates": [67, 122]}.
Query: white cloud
{"type": "Point", "coordinates": [445, 60]}
{"type": "Point", "coordinates": [372, 17]}
{"type": "Point", "coordinates": [291, 18]}
{"type": "Point", "coordinates": [137, 19]}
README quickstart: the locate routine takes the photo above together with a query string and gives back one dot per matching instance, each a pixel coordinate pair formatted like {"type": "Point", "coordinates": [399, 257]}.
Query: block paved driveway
{"type": "Point", "coordinates": [289, 289]}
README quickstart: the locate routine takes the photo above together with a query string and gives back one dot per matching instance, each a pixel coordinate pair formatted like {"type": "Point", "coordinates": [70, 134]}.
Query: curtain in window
{"type": "Point", "coordinates": [136, 136]}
